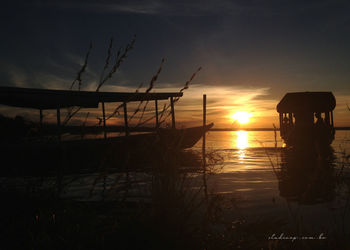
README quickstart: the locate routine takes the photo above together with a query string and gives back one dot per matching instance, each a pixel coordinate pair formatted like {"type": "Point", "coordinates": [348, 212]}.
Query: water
{"type": "Point", "coordinates": [265, 181]}
{"type": "Point", "coordinates": [249, 155]}
{"type": "Point", "coordinates": [269, 182]}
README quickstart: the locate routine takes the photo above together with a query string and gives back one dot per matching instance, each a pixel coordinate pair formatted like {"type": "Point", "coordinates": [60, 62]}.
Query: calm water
{"type": "Point", "coordinates": [271, 182]}
{"type": "Point", "coordinates": [266, 181]}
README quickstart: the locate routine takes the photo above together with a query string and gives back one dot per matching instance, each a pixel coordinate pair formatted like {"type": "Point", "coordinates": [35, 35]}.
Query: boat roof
{"type": "Point", "coordinates": [53, 99]}
{"type": "Point", "coordinates": [307, 102]}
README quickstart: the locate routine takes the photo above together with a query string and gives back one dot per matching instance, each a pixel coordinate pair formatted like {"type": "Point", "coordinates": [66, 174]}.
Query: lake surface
{"type": "Point", "coordinates": [263, 179]}
{"type": "Point", "coordinates": [269, 182]}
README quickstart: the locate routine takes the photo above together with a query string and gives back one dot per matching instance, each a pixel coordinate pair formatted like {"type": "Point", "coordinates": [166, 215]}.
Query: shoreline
{"type": "Point", "coordinates": [262, 129]}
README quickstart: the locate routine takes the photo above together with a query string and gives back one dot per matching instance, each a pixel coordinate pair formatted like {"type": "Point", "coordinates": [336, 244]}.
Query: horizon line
{"type": "Point", "coordinates": [263, 129]}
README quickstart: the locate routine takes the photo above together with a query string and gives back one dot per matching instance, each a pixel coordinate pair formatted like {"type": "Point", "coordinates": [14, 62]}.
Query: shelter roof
{"type": "Point", "coordinates": [307, 102]}
{"type": "Point", "coordinates": [53, 99]}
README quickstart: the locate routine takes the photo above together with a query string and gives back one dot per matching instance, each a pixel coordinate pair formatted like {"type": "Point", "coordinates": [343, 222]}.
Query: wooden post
{"type": "Point", "coordinates": [203, 146]}
{"type": "Point", "coordinates": [281, 124]}
{"type": "Point", "coordinates": [332, 118]}
{"type": "Point", "coordinates": [290, 116]}
{"type": "Point", "coordinates": [61, 155]}
{"type": "Point", "coordinates": [327, 120]}
{"type": "Point", "coordinates": [126, 120]}
{"type": "Point", "coordinates": [59, 124]}
{"type": "Point", "coordinates": [157, 121]}
{"type": "Point", "coordinates": [104, 120]}
{"type": "Point", "coordinates": [41, 119]}
{"type": "Point", "coordinates": [128, 148]}
{"type": "Point", "coordinates": [172, 112]}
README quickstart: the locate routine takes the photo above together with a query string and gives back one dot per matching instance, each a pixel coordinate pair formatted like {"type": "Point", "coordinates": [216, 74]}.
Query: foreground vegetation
{"type": "Point", "coordinates": [174, 214]}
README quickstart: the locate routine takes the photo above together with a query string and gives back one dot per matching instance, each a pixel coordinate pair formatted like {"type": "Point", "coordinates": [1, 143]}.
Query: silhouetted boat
{"type": "Point", "coordinates": [306, 119]}
{"type": "Point", "coordinates": [73, 154]}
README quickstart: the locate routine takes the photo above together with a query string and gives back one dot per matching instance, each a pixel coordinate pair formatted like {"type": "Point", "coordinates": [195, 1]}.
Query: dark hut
{"type": "Point", "coordinates": [307, 118]}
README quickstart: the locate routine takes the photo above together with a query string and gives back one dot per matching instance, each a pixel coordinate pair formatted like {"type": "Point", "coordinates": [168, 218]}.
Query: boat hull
{"type": "Point", "coordinates": [309, 138]}
{"type": "Point", "coordinates": [89, 155]}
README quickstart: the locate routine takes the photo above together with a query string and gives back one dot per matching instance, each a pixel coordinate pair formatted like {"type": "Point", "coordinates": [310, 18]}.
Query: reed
{"type": "Point", "coordinates": [151, 85]}
{"type": "Point", "coordinates": [175, 215]}
{"type": "Point", "coordinates": [119, 58]}
{"type": "Point", "coordinates": [321, 172]}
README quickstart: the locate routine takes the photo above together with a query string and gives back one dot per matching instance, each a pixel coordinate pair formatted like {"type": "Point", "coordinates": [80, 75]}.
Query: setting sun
{"type": "Point", "coordinates": [241, 116]}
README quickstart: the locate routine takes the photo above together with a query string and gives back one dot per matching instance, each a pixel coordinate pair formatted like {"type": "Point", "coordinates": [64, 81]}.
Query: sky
{"type": "Point", "coordinates": [251, 52]}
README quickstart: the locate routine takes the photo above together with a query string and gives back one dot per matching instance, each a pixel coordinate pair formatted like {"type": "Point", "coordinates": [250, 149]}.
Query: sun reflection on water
{"type": "Point", "coordinates": [241, 155]}
{"type": "Point", "coordinates": [242, 139]}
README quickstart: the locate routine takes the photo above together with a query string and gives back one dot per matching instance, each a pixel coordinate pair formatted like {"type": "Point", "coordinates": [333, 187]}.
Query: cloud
{"type": "Point", "coordinates": [202, 8]}
{"type": "Point", "coordinates": [136, 7]}
{"type": "Point", "coordinates": [166, 8]}
{"type": "Point", "coordinates": [17, 77]}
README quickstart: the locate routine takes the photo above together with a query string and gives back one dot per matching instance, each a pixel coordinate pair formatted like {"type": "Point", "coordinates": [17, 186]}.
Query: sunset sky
{"type": "Point", "coordinates": [251, 52]}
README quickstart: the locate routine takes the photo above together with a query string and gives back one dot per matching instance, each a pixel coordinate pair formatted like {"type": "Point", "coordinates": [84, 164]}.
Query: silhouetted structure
{"type": "Point", "coordinates": [297, 113]}
{"type": "Point", "coordinates": [89, 153]}
{"type": "Point", "coordinates": [307, 178]}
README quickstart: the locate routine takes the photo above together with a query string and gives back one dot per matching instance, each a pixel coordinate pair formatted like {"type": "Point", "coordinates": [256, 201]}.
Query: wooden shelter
{"type": "Point", "coordinates": [69, 156]}
{"type": "Point", "coordinates": [44, 99]}
{"type": "Point", "coordinates": [307, 116]}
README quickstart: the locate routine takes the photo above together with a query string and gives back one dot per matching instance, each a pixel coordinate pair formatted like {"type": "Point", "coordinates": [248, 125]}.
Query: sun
{"type": "Point", "coordinates": [241, 116]}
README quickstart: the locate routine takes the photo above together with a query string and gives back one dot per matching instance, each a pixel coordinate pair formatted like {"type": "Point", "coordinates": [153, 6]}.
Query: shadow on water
{"type": "Point", "coordinates": [175, 214]}
{"type": "Point", "coordinates": [307, 177]}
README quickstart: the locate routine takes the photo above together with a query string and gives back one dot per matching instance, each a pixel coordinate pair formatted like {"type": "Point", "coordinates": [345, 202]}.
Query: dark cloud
{"type": "Point", "coordinates": [283, 45]}
{"type": "Point", "coordinates": [201, 8]}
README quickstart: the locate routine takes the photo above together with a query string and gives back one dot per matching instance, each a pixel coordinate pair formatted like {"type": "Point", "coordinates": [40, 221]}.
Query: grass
{"type": "Point", "coordinates": [43, 220]}
{"type": "Point", "coordinates": [307, 178]}
{"type": "Point", "coordinates": [176, 215]}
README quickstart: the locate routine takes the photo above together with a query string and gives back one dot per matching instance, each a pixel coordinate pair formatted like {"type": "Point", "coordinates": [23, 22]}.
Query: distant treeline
{"type": "Point", "coordinates": [72, 129]}
{"type": "Point", "coordinates": [19, 127]}
{"type": "Point", "coordinates": [262, 129]}
{"type": "Point", "coordinates": [16, 128]}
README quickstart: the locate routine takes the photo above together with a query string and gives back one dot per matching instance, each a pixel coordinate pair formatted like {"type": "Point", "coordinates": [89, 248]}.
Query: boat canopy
{"type": "Point", "coordinates": [307, 102]}
{"type": "Point", "coordinates": [55, 99]}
